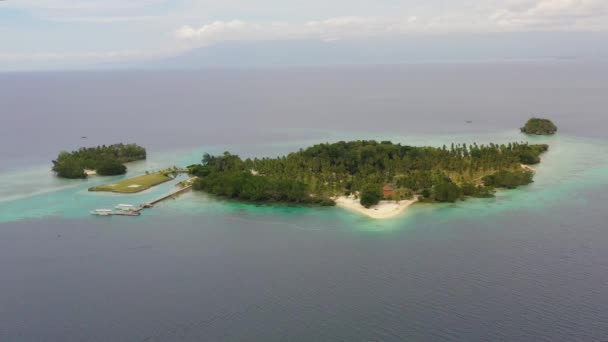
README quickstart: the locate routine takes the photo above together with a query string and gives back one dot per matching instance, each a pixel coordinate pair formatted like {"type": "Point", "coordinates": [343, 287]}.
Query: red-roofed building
{"type": "Point", "coordinates": [388, 191]}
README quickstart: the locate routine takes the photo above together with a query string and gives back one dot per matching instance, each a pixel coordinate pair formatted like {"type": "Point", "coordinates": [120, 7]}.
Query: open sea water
{"type": "Point", "coordinates": [528, 265]}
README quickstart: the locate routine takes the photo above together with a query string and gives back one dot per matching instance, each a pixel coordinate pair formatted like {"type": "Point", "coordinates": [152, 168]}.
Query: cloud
{"type": "Point", "coordinates": [159, 26]}
{"type": "Point", "coordinates": [216, 30]}
{"type": "Point", "coordinates": [410, 16]}
{"type": "Point", "coordinates": [328, 29]}
{"type": "Point", "coordinates": [553, 15]}
{"type": "Point", "coordinates": [507, 16]}
{"type": "Point", "coordinates": [344, 27]}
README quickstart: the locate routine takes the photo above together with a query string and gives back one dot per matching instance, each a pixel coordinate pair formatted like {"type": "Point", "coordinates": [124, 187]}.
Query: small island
{"type": "Point", "coordinates": [538, 126]}
{"type": "Point", "coordinates": [379, 179]}
{"type": "Point", "coordinates": [102, 160]}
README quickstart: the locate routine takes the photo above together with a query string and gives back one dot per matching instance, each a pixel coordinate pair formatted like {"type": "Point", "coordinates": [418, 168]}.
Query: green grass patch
{"type": "Point", "coordinates": [135, 184]}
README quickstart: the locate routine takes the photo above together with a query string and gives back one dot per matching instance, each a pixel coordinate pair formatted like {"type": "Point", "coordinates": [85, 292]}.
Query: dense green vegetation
{"type": "Point", "coordinates": [508, 179]}
{"type": "Point", "coordinates": [323, 171]}
{"type": "Point", "coordinates": [539, 127]}
{"type": "Point", "coordinates": [111, 166]}
{"type": "Point", "coordinates": [370, 195]}
{"type": "Point", "coordinates": [105, 160]}
{"type": "Point", "coordinates": [245, 186]}
{"type": "Point", "coordinates": [447, 192]}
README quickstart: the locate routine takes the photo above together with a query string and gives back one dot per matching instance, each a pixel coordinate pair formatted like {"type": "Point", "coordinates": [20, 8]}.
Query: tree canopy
{"type": "Point", "coordinates": [447, 192]}
{"type": "Point", "coordinates": [323, 171]}
{"type": "Point", "coordinates": [105, 160]}
{"type": "Point", "coordinates": [539, 127]}
{"type": "Point", "coordinates": [371, 194]}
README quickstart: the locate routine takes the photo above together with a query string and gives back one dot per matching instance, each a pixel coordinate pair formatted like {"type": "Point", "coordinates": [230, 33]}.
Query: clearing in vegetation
{"type": "Point", "coordinates": [135, 184]}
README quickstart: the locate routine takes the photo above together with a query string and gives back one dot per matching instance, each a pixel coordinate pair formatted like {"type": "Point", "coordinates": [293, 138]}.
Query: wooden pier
{"type": "Point", "coordinates": [136, 211]}
{"type": "Point", "coordinates": [126, 213]}
{"type": "Point", "coordinates": [166, 197]}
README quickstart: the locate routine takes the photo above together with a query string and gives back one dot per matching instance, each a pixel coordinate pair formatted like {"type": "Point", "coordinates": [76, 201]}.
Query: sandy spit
{"type": "Point", "coordinates": [384, 209]}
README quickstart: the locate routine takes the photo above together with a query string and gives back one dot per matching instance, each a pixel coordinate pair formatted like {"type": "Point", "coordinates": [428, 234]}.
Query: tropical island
{"type": "Point", "coordinates": [102, 160]}
{"type": "Point", "coordinates": [379, 179]}
{"type": "Point", "coordinates": [538, 126]}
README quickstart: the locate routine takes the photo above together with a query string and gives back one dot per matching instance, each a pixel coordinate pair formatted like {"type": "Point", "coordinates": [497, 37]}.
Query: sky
{"type": "Point", "coordinates": [46, 34]}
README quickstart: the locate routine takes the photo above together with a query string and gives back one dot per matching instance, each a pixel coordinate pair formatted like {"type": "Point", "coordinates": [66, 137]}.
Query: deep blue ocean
{"type": "Point", "coordinates": [528, 265]}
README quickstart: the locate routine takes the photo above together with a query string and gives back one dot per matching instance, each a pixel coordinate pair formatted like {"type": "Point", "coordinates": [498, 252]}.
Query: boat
{"type": "Point", "coordinates": [127, 213]}
{"type": "Point", "coordinates": [102, 212]}
{"type": "Point", "coordinates": [125, 207]}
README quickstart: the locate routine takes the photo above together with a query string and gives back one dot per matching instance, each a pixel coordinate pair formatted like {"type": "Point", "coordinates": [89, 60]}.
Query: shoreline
{"type": "Point", "coordinates": [383, 210]}
{"type": "Point", "coordinates": [528, 168]}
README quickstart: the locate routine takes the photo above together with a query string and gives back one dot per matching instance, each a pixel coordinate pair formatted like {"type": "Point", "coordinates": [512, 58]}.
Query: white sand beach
{"type": "Point", "coordinates": [384, 210]}
{"type": "Point", "coordinates": [528, 167]}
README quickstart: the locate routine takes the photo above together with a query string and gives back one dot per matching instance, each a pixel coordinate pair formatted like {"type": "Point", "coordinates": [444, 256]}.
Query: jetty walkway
{"type": "Point", "coordinates": [166, 197]}
{"type": "Point", "coordinates": [136, 211]}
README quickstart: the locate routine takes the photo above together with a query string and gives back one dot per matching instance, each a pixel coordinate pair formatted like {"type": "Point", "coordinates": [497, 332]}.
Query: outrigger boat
{"type": "Point", "coordinates": [110, 212]}
{"type": "Point", "coordinates": [126, 207]}
{"type": "Point", "coordinates": [102, 212]}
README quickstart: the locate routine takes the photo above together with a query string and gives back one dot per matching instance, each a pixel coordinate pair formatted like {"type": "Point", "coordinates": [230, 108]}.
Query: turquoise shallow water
{"type": "Point", "coordinates": [572, 164]}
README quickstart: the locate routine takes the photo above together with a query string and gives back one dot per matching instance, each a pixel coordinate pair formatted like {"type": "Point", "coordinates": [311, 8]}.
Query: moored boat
{"type": "Point", "coordinates": [125, 207]}
{"type": "Point", "coordinates": [102, 212]}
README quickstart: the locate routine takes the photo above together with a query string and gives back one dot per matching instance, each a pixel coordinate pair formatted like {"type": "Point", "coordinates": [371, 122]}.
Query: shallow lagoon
{"type": "Point", "coordinates": [571, 164]}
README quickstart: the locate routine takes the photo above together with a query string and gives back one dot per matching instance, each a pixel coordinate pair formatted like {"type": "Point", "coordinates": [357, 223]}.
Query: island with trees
{"type": "Point", "coordinates": [538, 126]}
{"type": "Point", "coordinates": [102, 160]}
{"type": "Point", "coordinates": [362, 174]}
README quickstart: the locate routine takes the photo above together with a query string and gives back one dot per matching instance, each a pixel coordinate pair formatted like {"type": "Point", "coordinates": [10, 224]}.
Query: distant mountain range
{"type": "Point", "coordinates": [409, 49]}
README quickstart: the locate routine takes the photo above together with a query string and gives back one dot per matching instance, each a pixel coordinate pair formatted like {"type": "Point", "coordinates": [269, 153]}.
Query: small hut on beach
{"type": "Point", "coordinates": [388, 191]}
